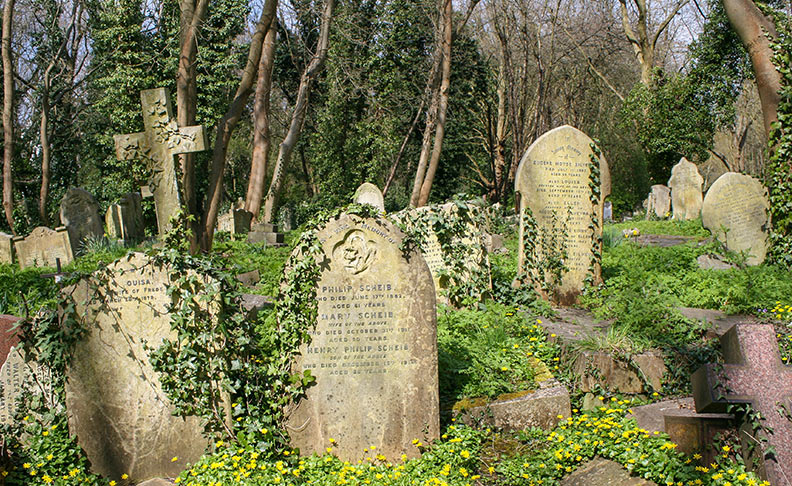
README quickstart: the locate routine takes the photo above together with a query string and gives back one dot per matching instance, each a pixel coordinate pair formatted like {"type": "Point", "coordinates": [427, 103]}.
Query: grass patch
{"type": "Point", "coordinates": [665, 227]}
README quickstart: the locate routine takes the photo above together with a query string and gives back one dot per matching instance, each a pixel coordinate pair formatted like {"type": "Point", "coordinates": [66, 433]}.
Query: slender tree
{"type": "Point", "coordinates": [226, 125]}
{"type": "Point", "coordinates": [298, 113]}
{"type": "Point", "coordinates": [8, 114]}
{"type": "Point", "coordinates": [261, 125]}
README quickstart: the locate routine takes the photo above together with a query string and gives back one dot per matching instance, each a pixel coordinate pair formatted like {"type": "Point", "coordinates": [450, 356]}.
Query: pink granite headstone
{"type": "Point", "coordinates": [8, 335]}
{"type": "Point", "coordinates": [753, 374]}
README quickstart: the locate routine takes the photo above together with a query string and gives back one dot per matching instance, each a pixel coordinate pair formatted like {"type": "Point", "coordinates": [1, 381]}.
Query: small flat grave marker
{"type": "Point", "coordinates": [754, 374]}
{"type": "Point", "coordinates": [161, 140]}
{"type": "Point", "coordinates": [374, 348]}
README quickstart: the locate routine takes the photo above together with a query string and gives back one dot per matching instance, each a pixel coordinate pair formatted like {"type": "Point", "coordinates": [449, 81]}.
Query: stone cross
{"type": "Point", "coordinates": [754, 374]}
{"type": "Point", "coordinates": [161, 140]}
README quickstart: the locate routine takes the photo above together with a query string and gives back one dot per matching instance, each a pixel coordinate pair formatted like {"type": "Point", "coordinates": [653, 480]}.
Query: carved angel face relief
{"type": "Point", "coordinates": [355, 253]}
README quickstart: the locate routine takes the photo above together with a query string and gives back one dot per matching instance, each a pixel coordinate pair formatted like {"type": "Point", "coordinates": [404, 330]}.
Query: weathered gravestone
{"type": "Point", "coordinates": [235, 221]}
{"type": "Point", "coordinates": [43, 247]}
{"type": "Point", "coordinates": [659, 202]}
{"type": "Point", "coordinates": [125, 220]}
{"type": "Point", "coordinates": [374, 349]}
{"type": "Point", "coordinates": [115, 403]}
{"type": "Point", "coordinates": [607, 212]}
{"type": "Point", "coordinates": [473, 261]}
{"type": "Point", "coordinates": [561, 209]}
{"type": "Point", "coordinates": [753, 374]}
{"type": "Point", "coordinates": [368, 193]}
{"type": "Point", "coordinates": [685, 184]}
{"type": "Point", "coordinates": [79, 213]}
{"type": "Point", "coordinates": [736, 212]}
{"type": "Point", "coordinates": [265, 232]}
{"type": "Point", "coordinates": [16, 374]}
{"type": "Point", "coordinates": [6, 248]}
{"type": "Point", "coordinates": [158, 144]}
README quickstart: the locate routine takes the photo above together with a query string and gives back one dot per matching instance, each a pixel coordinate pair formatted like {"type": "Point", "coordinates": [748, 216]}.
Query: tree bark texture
{"type": "Point", "coordinates": [442, 108]}
{"type": "Point", "coordinates": [752, 27]}
{"type": "Point", "coordinates": [261, 130]}
{"type": "Point", "coordinates": [226, 125]}
{"type": "Point", "coordinates": [298, 114]}
{"type": "Point", "coordinates": [8, 114]}
{"type": "Point", "coordinates": [192, 14]}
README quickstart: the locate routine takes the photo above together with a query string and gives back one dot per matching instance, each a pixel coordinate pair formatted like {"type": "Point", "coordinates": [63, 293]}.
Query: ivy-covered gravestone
{"type": "Point", "coordinates": [561, 182]}
{"type": "Point", "coordinates": [368, 193]}
{"type": "Point", "coordinates": [373, 350]}
{"type": "Point", "coordinates": [115, 403]}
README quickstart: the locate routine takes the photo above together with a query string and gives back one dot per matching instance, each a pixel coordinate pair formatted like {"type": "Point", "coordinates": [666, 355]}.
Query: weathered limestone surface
{"type": "Point", "coordinates": [685, 184]}
{"type": "Point", "coordinates": [659, 201]}
{"type": "Point", "coordinates": [374, 349]}
{"type": "Point", "coordinates": [158, 144]}
{"type": "Point", "coordinates": [79, 213]}
{"type": "Point", "coordinates": [553, 186]}
{"type": "Point", "coordinates": [43, 247]}
{"type": "Point", "coordinates": [603, 472]}
{"type": "Point", "coordinates": [6, 248]}
{"type": "Point", "coordinates": [125, 220]}
{"type": "Point", "coordinates": [736, 212]}
{"type": "Point", "coordinates": [597, 368]}
{"type": "Point", "coordinates": [368, 193]}
{"type": "Point", "coordinates": [115, 403]}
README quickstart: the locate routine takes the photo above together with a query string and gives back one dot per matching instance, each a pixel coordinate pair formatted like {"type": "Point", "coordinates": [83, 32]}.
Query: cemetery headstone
{"type": "Point", "coordinates": [43, 247]}
{"type": "Point", "coordinates": [685, 184]}
{"type": "Point", "coordinates": [6, 248]}
{"type": "Point", "coordinates": [368, 193]}
{"type": "Point", "coordinates": [265, 232]}
{"type": "Point", "coordinates": [753, 373]}
{"type": "Point", "coordinates": [736, 212]}
{"type": "Point", "coordinates": [125, 220]}
{"type": "Point", "coordinates": [659, 202]}
{"type": "Point", "coordinates": [159, 143]}
{"type": "Point", "coordinates": [553, 183]}
{"type": "Point", "coordinates": [607, 212]}
{"type": "Point", "coordinates": [236, 221]}
{"type": "Point", "coordinates": [79, 213]}
{"type": "Point", "coordinates": [115, 402]}
{"type": "Point", "coordinates": [374, 348]}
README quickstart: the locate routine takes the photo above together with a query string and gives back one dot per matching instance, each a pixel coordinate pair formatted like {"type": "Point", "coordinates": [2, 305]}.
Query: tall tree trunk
{"type": "Point", "coordinates": [298, 115]}
{"type": "Point", "coordinates": [442, 108]}
{"type": "Point", "coordinates": [45, 151]}
{"type": "Point", "coordinates": [261, 131]}
{"type": "Point", "coordinates": [8, 115]}
{"type": "Point", "coordinates": [750, 25]}
{"type": "Point", "coordinates": [226, 125]}
{"type": "Point", "coordinates": [431, 93]}
{"type": "Point", "coordinates": [192, 14]}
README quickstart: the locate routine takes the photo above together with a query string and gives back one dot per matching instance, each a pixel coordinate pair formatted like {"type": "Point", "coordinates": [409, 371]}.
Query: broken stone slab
{"type": "Point", "coordinates": [603, 472]}
{"type": "Point", "coordinates": [663, 241]}
{"type": "Point", "coordinates": [600, 368]}
{"type": "Point", "coordinates": [712, 262]}
{"type": "Point", "coordinates": [6, 248]}
{"type": "Point", "coordinates": [521, 410]}
{"type": "Point", "coordinates": [692, 432]}
{"type": "Point", "coordinates": [254, 304]}
{"type": "Point", "coordinates": [249, 279]}
{"type": "Point", "coordinates": [271, 239]}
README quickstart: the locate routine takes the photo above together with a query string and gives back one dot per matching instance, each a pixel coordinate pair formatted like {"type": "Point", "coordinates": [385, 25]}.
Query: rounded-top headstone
{"type": "Point", "coordinates": [373, 351]}
{"type": "Point", "coordinates": [79, 213]}
{"type": "Point", "coordinates": [553, 184]}
{"type": "Point", "coordinates": [368, 193]}
{"type": "Point", "coordinates": [659, 201]}
{"type": "Point", "coordinates": [685, 184]}
{"type": "Point", "coordinates": [736, 212]}
{"type": "Point", "coordinates": [116, 406]}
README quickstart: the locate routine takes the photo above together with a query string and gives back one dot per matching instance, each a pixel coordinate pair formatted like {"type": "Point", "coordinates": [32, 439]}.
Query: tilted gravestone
{"type": "Point", "coordinates": [158, 144]}
{"type": "Point", "coordinates": [736, 212]}
{"type": "Point", "coordinates": [659, 202]}
{"type": "Point", "coordinates": [236, 221]}
{"type": "Point", "coordinates": [79, 213]}
{"type": "Point", "coordinates": [115, 402]}
{"type": "Point", "coordinates": [368, 193]}
{"type": "Point", "coordinates": [124, 220]}
{"type": "Point", "coordinates": [6, 248]}
{"type": "Point", "coordinates": [374, 348]}
{"type": "Point", "coordinates": [44, 247]}
{"type": "Point", "coordinates": [555, 187]}
{"type": "Point", "coordinates": [753, 373]}
{"type": "Point", "coordinates": [685, 184]}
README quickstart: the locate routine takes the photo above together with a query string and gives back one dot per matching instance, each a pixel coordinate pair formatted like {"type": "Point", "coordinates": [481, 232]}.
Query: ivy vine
{"type": "Point", "coordinates": [595, 186]}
